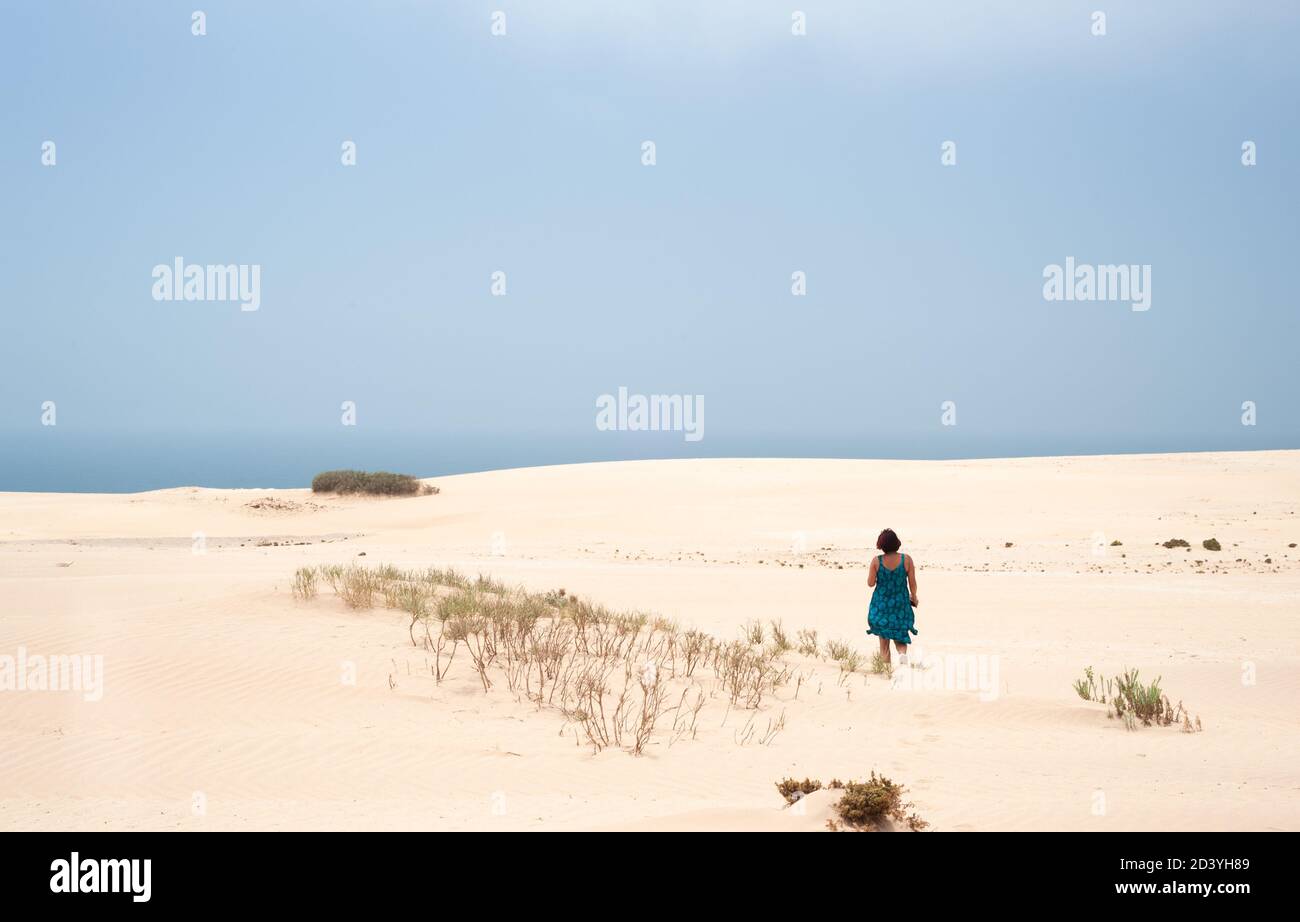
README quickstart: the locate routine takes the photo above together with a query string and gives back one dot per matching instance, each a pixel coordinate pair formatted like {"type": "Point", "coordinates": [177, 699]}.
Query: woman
{"type": "Point", "coordinates": [894, 577]}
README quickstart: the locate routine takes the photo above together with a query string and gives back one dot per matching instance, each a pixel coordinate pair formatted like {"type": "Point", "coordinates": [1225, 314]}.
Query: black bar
{"type": "Point", "coordinates": [328, 871]}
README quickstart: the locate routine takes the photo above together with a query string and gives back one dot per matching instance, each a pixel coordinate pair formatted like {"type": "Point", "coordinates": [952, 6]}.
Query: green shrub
{"type": "Point", "coordinates": [1135, 701]}
{"type": "Point", "coordinates": [1176, 542]}
{"type": "Point", "coordinates": [1211, 544]}
{"type": "Point", "coordinates": [375, 483]}
{"type": "Point", "coordinates": [1087, 688]}
{"type": "Point", "coordinates": [870, 802]}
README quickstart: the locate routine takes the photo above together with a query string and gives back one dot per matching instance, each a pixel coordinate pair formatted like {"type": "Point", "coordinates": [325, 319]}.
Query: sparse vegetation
{"type": "Point", "coordinates": [793, 790]}
{"type": "Point", "coordinates": [780, 640]}
{"type": "Point", "coordinates": [374, 483]}
{"type": "Point", "coordinates": [616, 677]}
{"type": "Point", "coordinates": [837, 650]}
{"type": "Point", "coordinates": [357, 587]}
{"type": "Point", "coordinates": [1088, 688]}
{"type": "Point", "coordinates": [808, 643]}
{"type": "Point", "coordinates": [1176, 542]}
{"type": "Point", "coordinates": [304, 583]}
{"type": "Point", "coordinates": [850, 661]}
{"type": "Point", "coordinates": [1211, 544]}
{"type": "Point", "coordinates": [881, 666]}
{"type": "Point", "coordinates": [1130, 700]}
{"type": "Point", "coordinates": [863, 805]}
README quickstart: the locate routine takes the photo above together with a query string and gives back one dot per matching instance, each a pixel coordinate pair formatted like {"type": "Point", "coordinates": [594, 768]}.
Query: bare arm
{"type": "Point", "coordinates": [871, 571]}
{"type": "Point", "coordinates": [911, 580]}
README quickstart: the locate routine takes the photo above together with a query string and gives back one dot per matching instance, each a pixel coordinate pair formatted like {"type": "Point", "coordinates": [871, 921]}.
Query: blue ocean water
{"type": "Point", "coordinates": [62, 459]}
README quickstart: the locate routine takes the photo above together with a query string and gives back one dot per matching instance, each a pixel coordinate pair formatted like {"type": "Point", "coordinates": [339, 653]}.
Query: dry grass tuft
{"type": "Point", "coordinates": [304, 583]}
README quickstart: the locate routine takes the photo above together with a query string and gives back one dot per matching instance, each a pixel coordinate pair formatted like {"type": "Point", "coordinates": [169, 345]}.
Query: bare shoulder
{"type": "Point", "coordinates": [910, 561]}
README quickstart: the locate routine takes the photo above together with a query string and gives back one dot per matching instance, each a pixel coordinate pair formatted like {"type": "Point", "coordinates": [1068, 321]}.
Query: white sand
{"type": "Point", "coordinates": [218, 685]}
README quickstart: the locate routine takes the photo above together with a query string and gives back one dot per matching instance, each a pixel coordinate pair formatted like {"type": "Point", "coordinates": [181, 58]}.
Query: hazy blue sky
{"type": "Point", "coordinates": [522, 153]}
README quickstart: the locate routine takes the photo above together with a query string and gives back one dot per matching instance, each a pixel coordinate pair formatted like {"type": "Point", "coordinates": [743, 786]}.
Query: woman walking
{"type": "Point", "coordinates": [891, 616]}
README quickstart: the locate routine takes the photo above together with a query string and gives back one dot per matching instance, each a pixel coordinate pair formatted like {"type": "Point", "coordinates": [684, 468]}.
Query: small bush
{"type": "Point", "coordinates": [1211, 544]}
{"type": "Point", "coordinates": [793, 790]}
{"type": "Point", "coordinates": [871, 802]}
{"type": "Point", "coordinates": [374, 483]}
{"type": "Point", "coordinates": [1176, 542]}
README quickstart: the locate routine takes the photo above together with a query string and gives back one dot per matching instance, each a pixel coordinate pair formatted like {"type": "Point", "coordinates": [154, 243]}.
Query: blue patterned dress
{"type": "Point", "coordinates": [891, 612]}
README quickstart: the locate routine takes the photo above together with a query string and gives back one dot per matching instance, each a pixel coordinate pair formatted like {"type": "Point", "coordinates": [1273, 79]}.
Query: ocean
{"type": "Point", "coordinates": [63, 459]}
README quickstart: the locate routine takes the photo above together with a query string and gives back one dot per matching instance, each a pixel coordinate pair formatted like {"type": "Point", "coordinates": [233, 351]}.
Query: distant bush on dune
{"type": "Point", "coordinates": [374, 483]}
{"type": "Point", "coordinates": [1211, 544]}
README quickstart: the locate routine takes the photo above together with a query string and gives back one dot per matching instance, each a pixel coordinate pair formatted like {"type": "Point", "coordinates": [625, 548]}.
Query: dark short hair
{"type": "Point", "coordinates": [888, 541]}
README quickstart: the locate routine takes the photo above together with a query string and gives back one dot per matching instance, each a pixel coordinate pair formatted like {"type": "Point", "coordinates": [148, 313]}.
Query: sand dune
{"type": "Point", "coordinates": [226, 703]}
